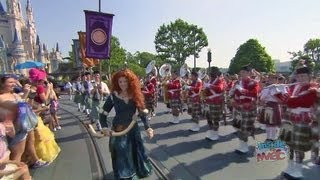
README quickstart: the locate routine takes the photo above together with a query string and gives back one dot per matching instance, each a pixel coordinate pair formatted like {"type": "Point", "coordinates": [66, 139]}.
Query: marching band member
{"type": "Point", "coordinates": [100, 90]}
{"type": "Point", "coordinates": [87, 87]}
{"type": "Point", "coordinates": [154, 81]}
{"type": "Point", "coordinates": [245, 97]}
{"type": "Point", "coordinates": [77, 97]}
{"type": "Point", "coordinates": [271, 98]}
{"type": "Point", "coordinates": [302, 99]}
{"type": "Point", "coordinates": [214, 99]}
{"type": "Point", "coordinates": [149, 91]}
{"type": "Point", "coordinates": [174, 89]}
{"type": "Point", "coordinates": [195, 99]}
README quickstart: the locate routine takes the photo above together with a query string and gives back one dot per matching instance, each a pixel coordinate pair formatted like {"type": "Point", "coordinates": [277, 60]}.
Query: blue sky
{"type": "Point", "coordinates": [279, 25]}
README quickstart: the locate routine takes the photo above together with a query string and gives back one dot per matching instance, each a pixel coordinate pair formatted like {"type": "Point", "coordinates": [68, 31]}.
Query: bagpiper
{"type": "Point", "coordinates": [195, 99]}
{"type": "Point", "coordinates": [271, 98]}
{"type": "Point", "coordinates": [149, 91]}
{"type": "Point", "coordinates": [174, 89]}
{"type": "Point", "coordinates": [245, 98]}
{"type": "Point", "coordinates": [214, 101]}
{"type": "Point", "coordinates": [296, 129]}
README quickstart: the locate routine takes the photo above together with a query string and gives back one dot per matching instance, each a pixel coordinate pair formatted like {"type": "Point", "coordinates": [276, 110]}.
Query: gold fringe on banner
{"type": "Point", "coordinates": [88, 62]}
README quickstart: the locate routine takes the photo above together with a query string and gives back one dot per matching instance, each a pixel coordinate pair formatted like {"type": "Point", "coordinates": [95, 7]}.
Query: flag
{"type": "Point", "coordinates": [87, 62]}
{"type": "Point", "coordinates": [98, 31]}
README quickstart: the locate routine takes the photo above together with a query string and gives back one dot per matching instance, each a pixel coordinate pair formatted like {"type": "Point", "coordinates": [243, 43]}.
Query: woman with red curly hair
{"type": "Point", "coordinates": [129, 159]}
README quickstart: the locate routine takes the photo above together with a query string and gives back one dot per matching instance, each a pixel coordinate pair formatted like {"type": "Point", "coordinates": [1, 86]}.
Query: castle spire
{"type": "Point", "coordinates": [29, 8]}
{"type": "Point", "coordinates": [2, 11]}
{"type": "Point", "coordinates": [57, 47]}
{"type": "Point", "coordinates": [38, 40]}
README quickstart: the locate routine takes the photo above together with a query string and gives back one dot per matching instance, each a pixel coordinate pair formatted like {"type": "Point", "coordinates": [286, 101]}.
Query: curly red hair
{"type": "Point", "coordinates": [134, 87]}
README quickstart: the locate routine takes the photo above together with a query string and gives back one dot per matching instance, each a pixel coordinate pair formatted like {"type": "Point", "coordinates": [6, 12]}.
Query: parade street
{"type": "Point", "coordinates": [176, 151]}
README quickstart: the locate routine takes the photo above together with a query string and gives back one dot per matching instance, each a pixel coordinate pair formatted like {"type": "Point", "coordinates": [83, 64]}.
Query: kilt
{"type": "Point", "coordinates": [94, 114]}
{"type": "Point", "coordinates": [261, 114]}
{"type": "Point", "coordinates": [88, 102]}
{"type": "Point", "coordinates": [83, 98]}
{"type": "Point", "coordinates": [196, 111]}
{"type": "Point", "coordinates": [150, 102]}
{"type": "Point", "coordinates": [77, 98]}
{"type": "Point", "coordinates": [270, 114]}
{"type": "Point", "coordinates": [236, 122]}
{"type": "Point", "coordinates": [175, 105]}
{"type": "Point", "coordinates": [245, 122]}
{"type": "Point", "coordinates": [299, 136]}
{"type": "Point", "coordinates": [214, 115]}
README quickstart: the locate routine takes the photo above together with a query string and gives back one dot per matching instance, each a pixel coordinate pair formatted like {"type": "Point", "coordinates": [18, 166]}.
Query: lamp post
{"type": "Point", "coordinates": [209, 58]}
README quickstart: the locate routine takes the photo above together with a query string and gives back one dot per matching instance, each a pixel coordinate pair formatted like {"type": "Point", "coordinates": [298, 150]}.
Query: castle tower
{"type": "Point", "coordinates": [30, 34]}
{"type": "Point", "coordinates": [18, 53]}
{"type": "Point", "coordinates": [15, 15]}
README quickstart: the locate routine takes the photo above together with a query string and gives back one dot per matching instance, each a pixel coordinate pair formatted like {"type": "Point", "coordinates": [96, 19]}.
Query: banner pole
{"type": "Point", "coordinates": [100, 61]}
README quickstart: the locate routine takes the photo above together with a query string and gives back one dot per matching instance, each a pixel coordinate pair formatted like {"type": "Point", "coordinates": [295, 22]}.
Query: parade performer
{"type": "Point", "coordinates": [195, 99]}
{"type": "Point", "coordinates": [100, 90]}
{"type": "Point", "coordinates": [297, 127]}
{"type": "Point", "coordinates": [271, 98]}
{"type": "Point", "coordinates": [149, 91]}
{"type": "Point", "coordinates": [174, 89]}
{"type": "Point", "coordinates": [245, 97]}
{"type": "Point", "coordinates": [77, 97]}
{"type": "Point", "coordinates": [154, 81]}
{"type": "Point", "coordinates": [214, 100]}
{"type": "Point", "coordinates": [129, 159]}
{"type": "Point", "coordinates": [88, 87]}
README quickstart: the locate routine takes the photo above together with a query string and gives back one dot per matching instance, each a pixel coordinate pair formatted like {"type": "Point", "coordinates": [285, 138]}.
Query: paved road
{"type": "Point", "coordinates": [180, 154]}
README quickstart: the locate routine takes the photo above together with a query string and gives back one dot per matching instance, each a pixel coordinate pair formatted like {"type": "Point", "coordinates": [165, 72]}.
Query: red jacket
{"type": "Point", "coordinates": [149, 89]}
{"type": "Point", "coordinates": [174, 89]}
{"type": "Point", "coordinates": [194, 91]}
{"type": "Point", "coordinates": [246, 99]}
{"type": "Point", "coordinates": [214, 93]}
{"type": "Point", "coordinates": [304, 96]}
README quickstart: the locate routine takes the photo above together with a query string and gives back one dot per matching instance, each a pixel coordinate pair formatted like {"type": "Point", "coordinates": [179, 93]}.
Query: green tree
{"type": "Point", "coordinates": [117, 58]}
{"type": "Point", "coordinates": [312, 49]}
{"type": "Point", "coordinates": [310, 53]}
{"type": "Point", "coordinates": [251, 52]}
{"type": "Point", "coordinates": [179, 40]}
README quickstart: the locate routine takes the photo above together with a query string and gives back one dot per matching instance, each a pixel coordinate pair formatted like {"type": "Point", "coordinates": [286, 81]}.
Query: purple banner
{"type": "Point", "coordinates": [98, 34]}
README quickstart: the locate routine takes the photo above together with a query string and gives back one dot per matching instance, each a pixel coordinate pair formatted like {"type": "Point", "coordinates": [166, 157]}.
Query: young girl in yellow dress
{"type": "Point", "coordinates": [46, 147]}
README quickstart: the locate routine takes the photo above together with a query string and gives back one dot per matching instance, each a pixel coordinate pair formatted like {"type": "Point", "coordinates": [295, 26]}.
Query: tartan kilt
{"type": "Point", "coordinates": [77, 98]}
{"type": "Point", "coordinates": [299, 136]}
{"type": "Point", "coordinates": [175, 103]}
{"type": "Point", "coordinates": [261, 114]}
{"type": "Point", "coordinates": [189, 104]}
{"type": "Point", "coordinates": [83, 99]}
{"type": "Point", "coordinates": [270, 114]}
{"type": "Point", "coordinates": [236, 122]}
{"type": "Point", "coordinates": [88, 102]}
{"type": "Point", "coordinates": [247, 121]}
{"type": "Point", "coordinates": [149, 102]}
{"type": "Point", "coordinates": [214, 112]}
{"type": "Point", "coordinates": [196, 110]}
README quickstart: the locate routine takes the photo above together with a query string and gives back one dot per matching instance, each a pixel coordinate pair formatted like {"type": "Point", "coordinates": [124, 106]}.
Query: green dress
{"type": "Point", "coordinates": [129, 160]}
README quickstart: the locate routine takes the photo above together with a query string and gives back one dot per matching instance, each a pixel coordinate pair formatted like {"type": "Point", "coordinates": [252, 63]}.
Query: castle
{"type": "Point", "coordinates": [19, 40]}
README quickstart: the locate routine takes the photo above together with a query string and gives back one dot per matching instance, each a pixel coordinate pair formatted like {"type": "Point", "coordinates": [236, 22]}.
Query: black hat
{"type": "Point", "coordinates": [303, 70]}
{"type": "Point", "coordinates": [96, 72]}
{"type": "Point", "coordinates": [215, 72]}
{"type": "Point", "coordinates": [246, 67]}
{"type": "Point", "coordinates": [301, 67]}
{"type": "Point", "coordinates": [194, 72]}
{"type": "Point", "coordinates": [87, 73]}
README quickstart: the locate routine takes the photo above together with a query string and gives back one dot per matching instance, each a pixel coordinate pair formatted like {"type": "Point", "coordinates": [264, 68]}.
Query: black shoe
{"type": "Point", "coordinates": [289, 177]}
